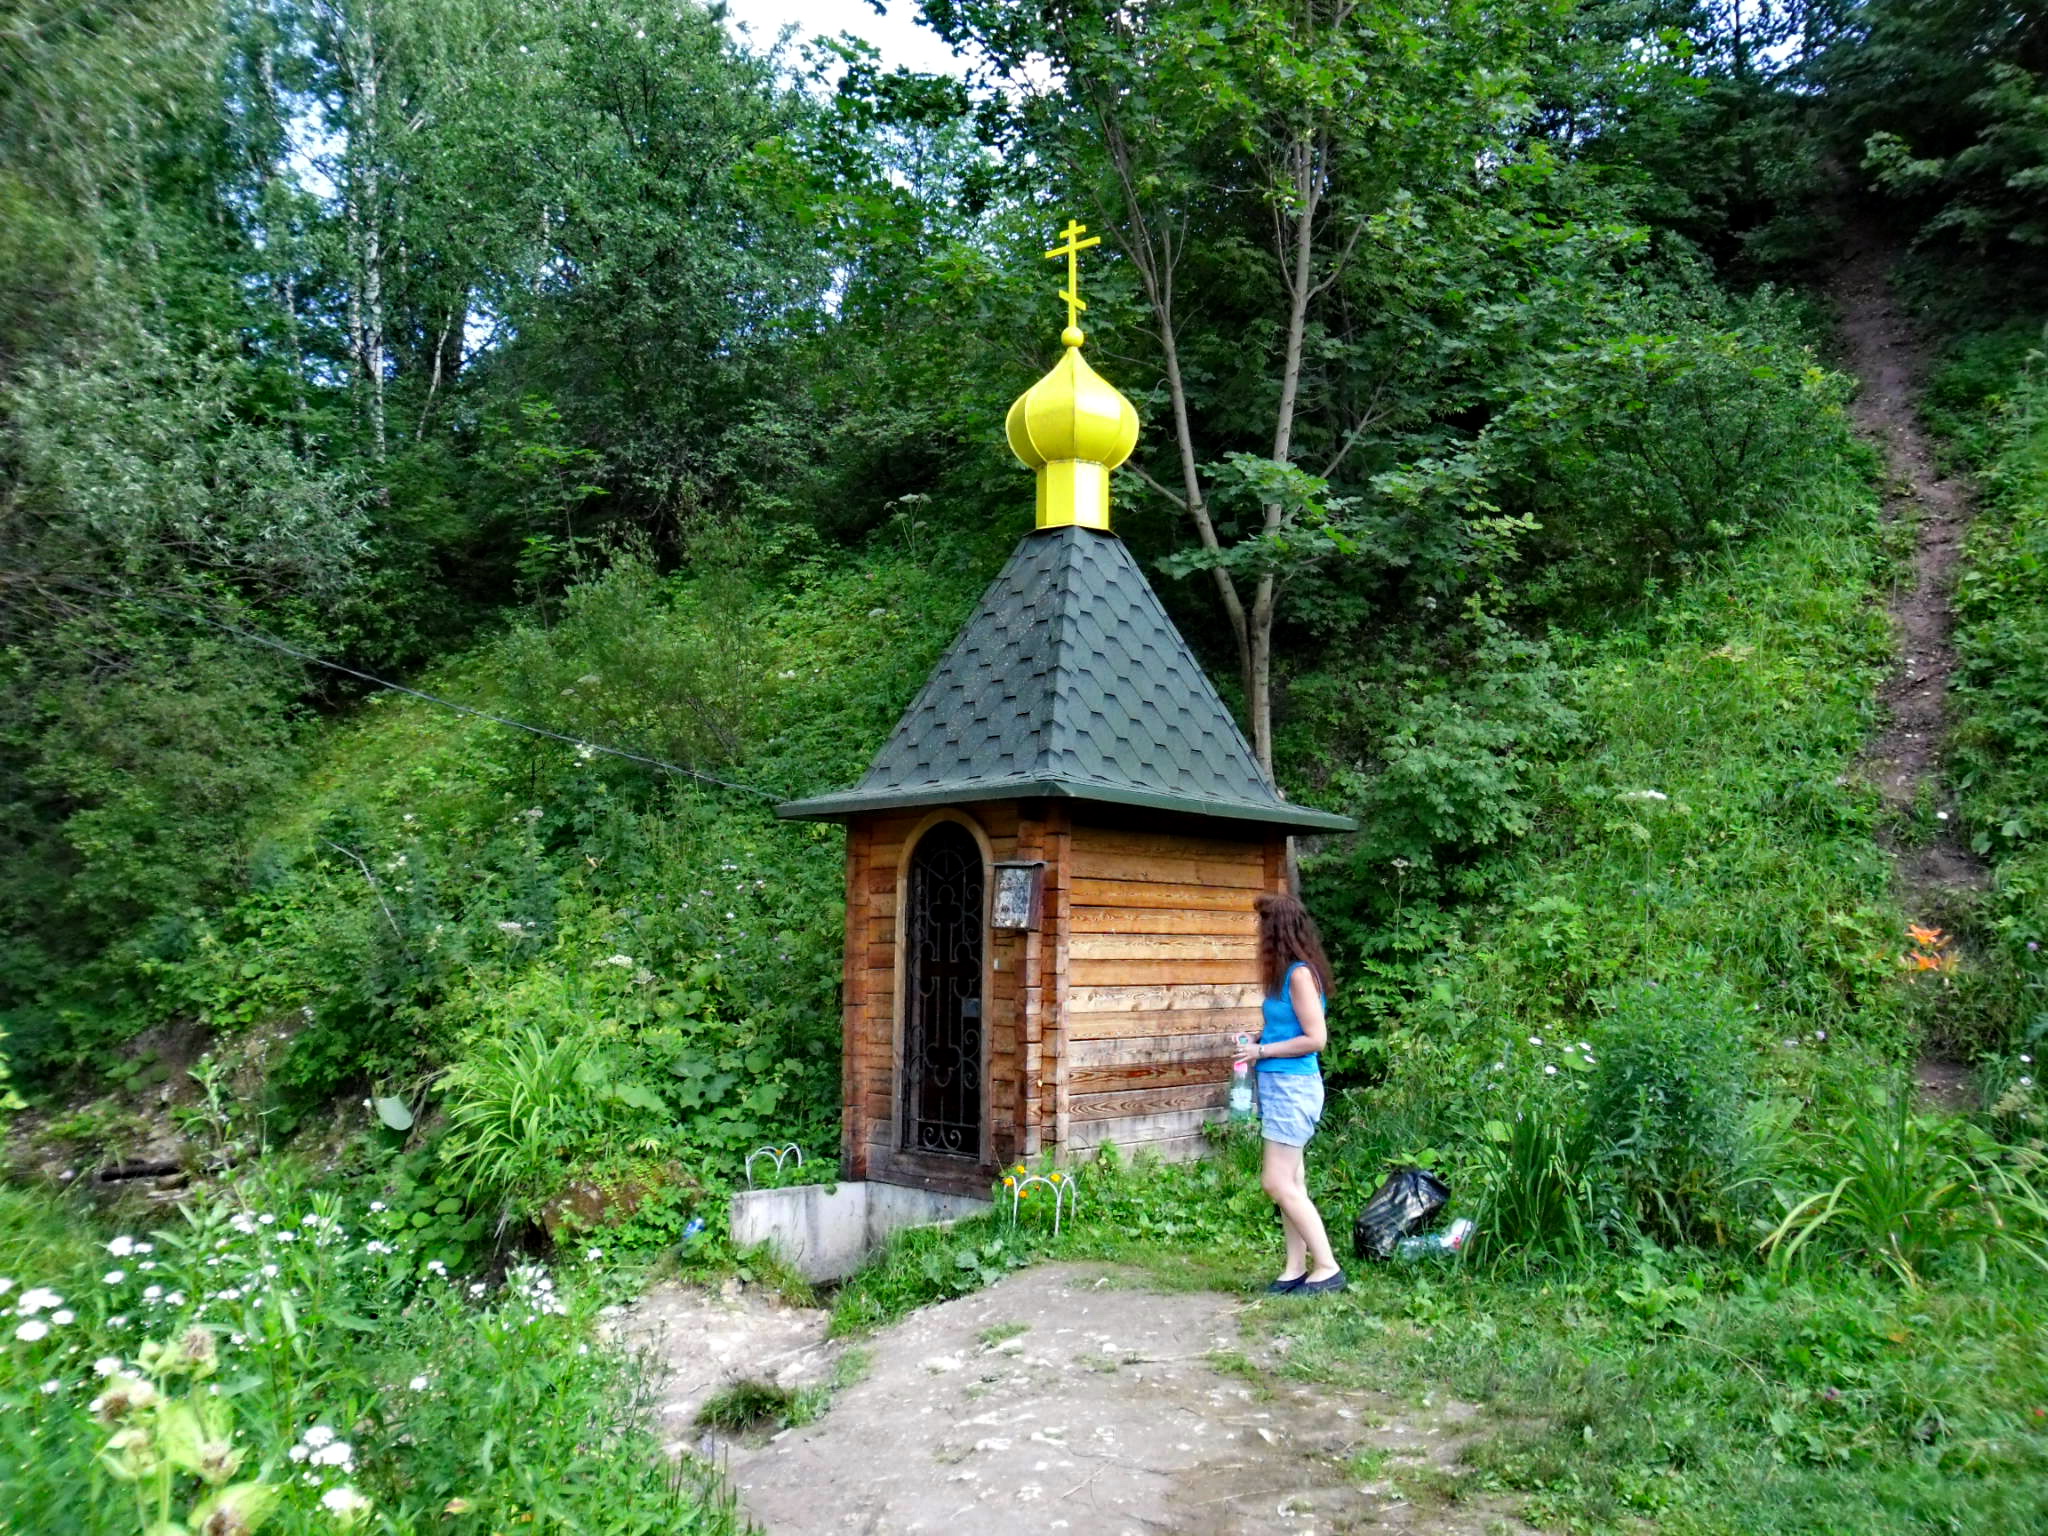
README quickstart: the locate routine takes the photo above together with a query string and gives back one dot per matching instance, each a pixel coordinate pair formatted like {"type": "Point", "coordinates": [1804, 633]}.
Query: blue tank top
{"type": "Point", "coordinates": [1282, 1025]}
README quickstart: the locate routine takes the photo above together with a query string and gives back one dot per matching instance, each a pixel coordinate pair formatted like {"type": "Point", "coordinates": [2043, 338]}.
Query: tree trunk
{"type": "Point", "coordinates": [365, 214]}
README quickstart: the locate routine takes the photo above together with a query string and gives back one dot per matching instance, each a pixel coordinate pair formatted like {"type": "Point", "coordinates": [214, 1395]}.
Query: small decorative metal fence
{"type": "Point", "coordinates": [778, 1154]}
{"type": "Point", "coordinates": [1065, 1193]}
{"type": "Point", "coordinates": [942, 1026]}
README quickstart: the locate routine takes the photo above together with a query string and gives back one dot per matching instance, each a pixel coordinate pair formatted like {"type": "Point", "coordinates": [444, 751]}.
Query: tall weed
{"type": "Point", "coordinates": [1908, 1191]}
{"type": "Point", "coordinates": [1669, 1109]}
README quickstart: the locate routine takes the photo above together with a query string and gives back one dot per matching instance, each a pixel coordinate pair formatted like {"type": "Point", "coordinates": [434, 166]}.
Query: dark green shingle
{"type": "Point", "coordinates": [1069, 680]}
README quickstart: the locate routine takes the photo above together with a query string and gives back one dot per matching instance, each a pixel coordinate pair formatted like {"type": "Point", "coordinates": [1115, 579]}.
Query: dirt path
{"type": "Point", "coordinates": [1904, 760]}
{"type": "Point", "coordinates": [1074, 1398]}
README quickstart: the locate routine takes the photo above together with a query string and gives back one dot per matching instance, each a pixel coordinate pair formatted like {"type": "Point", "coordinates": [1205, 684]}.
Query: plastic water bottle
{"type": "Point", "coordinates": [1448, 1243]}
{"type": "Point", "coordinates": [1241, 1083]}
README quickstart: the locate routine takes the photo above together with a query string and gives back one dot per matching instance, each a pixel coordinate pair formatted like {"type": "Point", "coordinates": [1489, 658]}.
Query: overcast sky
{"type": "Point", "coordinates": [897, 34]}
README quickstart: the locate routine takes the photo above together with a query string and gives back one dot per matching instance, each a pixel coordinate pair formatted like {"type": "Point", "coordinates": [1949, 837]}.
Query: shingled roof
{"type": "Point", "coordinates": [1070, 680]}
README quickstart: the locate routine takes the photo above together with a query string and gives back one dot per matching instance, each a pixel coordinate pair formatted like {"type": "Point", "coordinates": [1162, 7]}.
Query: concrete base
{"type": "Point", "coordinates": [826, 1230]}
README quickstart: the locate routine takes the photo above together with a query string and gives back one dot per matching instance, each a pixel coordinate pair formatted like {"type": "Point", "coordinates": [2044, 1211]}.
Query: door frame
{"type": "Point", "coordinates": [897, 1151]}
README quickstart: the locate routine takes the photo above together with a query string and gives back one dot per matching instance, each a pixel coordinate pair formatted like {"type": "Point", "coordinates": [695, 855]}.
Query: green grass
{"type": "Point", "coordinates": [494, 1394]}
{"type": "Point", "coordinates": [1697, 1393]}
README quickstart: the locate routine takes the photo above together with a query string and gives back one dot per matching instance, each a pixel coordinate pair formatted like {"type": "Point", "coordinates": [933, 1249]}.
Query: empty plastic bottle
{"type": "Point", "coordinates": [1433, 1245]}
{"type": "Point", "coordinates": [1241, 1083]}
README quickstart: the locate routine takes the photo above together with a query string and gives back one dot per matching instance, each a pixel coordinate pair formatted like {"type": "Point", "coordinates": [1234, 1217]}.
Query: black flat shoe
{"type": "Point", "coordinates": [1307, 1287]}
{"type": "Point", "coordinates": [1284, 1287]}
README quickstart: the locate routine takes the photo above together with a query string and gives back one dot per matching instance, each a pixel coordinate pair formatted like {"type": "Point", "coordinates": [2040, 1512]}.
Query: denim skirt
{"type": "Point", "coordinates": [1290, 1105]}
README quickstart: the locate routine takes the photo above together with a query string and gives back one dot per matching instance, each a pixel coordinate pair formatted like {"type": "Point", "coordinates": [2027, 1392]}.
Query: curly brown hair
{"type": "Point", "coordinates": [1287, 934]}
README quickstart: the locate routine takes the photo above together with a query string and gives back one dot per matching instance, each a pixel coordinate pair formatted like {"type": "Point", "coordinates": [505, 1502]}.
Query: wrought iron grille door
{"type": "Point", "coordinates": [942, 1025]}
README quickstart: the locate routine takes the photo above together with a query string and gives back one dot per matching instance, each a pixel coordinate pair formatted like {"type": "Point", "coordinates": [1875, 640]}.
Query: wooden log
{"type": "Point", "coordinates": [1154, 999]}
{"type": "Point", "coordinates": [1210, 1045]}
{"type": "Point", "coordinates": [1139, 973]}
{"type": "Point", "coordinates": [1164, 920]}
{"type": "Point", "coordinates": [1132, 1076]}
{"type": "Point", "coordinates": [1164, 946]}
{"type": "Point", "coordinates": [1181, 845]}
{"type": "Point", "coordinates": [1146, 1101]}
{"type": "Point", "coordinates": [1177, 895]}
{"type": "Point", "coordinates": [1164, 1023]}
{"type": "Point", "coordinates": [1059, 978]}
{"type": "Point", "coordinates": [1167, 869]}
{"type": "Point", "coordinates": [1135, 1130]}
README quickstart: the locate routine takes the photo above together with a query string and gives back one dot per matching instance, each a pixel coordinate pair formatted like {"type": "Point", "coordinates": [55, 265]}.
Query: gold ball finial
{"type": "Point", "coordinates": [1072, 336]}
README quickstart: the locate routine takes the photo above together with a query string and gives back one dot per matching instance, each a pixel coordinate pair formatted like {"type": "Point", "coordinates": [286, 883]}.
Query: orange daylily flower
{"type": "Point", "coordinates": [1930, 938]}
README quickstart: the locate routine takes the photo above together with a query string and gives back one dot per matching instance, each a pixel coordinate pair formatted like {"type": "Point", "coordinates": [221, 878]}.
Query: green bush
{"type": "Point", "coordinates": [353, 1368]}
{"type": "Point", "coordinates": [1669, 1109]}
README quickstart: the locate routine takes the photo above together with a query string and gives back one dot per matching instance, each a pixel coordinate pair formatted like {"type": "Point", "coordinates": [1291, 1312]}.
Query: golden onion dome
{"type": "Point", "coordinates": [1073, 428]}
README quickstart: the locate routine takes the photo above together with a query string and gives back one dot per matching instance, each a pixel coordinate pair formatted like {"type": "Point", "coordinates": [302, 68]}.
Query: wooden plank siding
{"type": "Point", "coordinates": [1111, 1022]}
{"type": "Point", "coordinates": [1163, 972]}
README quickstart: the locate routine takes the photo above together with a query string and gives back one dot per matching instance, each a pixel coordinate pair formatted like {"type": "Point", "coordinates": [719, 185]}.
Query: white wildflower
{"type": "Point", "coordinates": [114, 1276]}
{"type": "Point", "coordinates": [36, 1298]}
{"type": "Point", "coordinates": [1549, 1071]}
{"type": "Point", "coordinates": [318, 1436]}
{"type": "Point", "coordinates": [345, 1503]}
{"type": "Point", "coordinates": [121, 1247]}
{"type": "Point", "coordinates": [106, 1365]}
{"type": "Point", "coordinates": [31, 1330]}
{"type": "Point", "coordinates": [624, 962]}
{"type": "Point", "coordinates": [337, 1454]}
{"type": "Point", "coordinates": [63, 1317]}
{"type": "Point", "coordinates": [418, 1384]}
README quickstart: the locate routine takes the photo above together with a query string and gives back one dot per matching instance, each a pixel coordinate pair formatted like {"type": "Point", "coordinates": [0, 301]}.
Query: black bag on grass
{"type": "Point", "coordinates": [1404, 1204]}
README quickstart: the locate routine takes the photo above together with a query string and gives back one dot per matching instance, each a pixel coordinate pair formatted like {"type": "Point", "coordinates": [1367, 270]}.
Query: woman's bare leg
{"type": "Point", "coordinates": [1286, 1184]}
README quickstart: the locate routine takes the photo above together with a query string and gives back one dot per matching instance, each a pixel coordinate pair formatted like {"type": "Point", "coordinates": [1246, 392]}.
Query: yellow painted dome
{"type": "Point", "coordinates": [1073, 428]}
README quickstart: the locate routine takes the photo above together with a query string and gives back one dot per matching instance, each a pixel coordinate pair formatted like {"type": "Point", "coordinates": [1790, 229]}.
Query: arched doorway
{"type": "Point", "coordinates": [943, 1038]}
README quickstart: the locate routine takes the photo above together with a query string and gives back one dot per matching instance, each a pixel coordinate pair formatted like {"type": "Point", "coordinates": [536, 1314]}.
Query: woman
{"type": "Point", "coordinates": [1297, 979]}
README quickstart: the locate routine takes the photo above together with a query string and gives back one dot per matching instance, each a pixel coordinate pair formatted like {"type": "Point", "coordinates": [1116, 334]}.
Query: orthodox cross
{"type": "Point", "coordinates": [1072, 292]}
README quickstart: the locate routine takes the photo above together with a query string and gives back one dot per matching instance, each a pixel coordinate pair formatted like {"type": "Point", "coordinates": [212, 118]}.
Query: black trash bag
{"type": "Point", "coordinates": [1406, 1203]}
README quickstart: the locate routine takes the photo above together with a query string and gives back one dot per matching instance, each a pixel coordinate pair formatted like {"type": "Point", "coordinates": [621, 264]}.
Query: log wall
{"type": "Point", "coordinates": [1112, 1022]}
{"type": "Point", "coordinates": [1163, 961]}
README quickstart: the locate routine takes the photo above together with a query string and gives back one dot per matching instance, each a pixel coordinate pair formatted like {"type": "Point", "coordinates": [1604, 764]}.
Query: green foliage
{"type": "Point", "coordinates": [1535, 1199]}
{"type": "Point", "coordinates": [1458, 765]}
{"type": "Point", "coordinates": [518, 1105]}
{"type": "Point", "coordinates": [1908, 1191]}
{"type": "Point", "coordinates": [1670, 1105]}
{"type": "Point", "coordinates": [1698, 1394]}
{"type": "Point", "coordinates": [348, 1361]}
{"type": "Point", "coordinates": [1946, 106]}
{"type": "Point", "coordinates": [2003, 643]}
{"type": "Point", "coordinates": [747, 1406]}
{"type": "Point", "coordinates": [1707, 813]}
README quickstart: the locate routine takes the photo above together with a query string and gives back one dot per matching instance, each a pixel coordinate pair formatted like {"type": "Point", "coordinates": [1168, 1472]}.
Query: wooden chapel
{"type": "Point", "coordinates": [1051, 864]}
